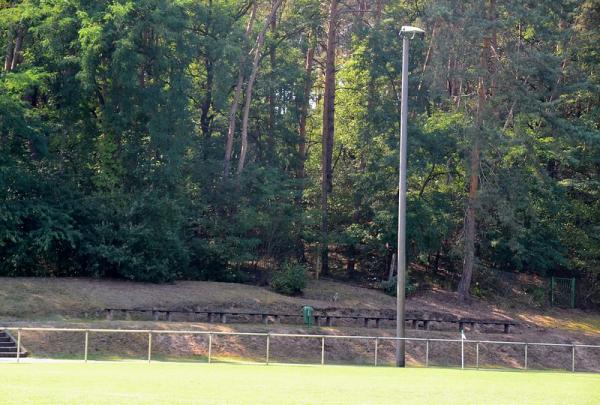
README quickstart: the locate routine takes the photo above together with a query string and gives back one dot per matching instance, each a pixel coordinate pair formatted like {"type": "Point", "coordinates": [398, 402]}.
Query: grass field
{"type": "Point", "coordinates": [181, 383]}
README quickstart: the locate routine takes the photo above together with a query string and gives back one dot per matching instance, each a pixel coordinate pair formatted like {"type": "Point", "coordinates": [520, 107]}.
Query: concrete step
{"type": "Point", "coordinates": [8, 346]}
{"type": "Point", "coordinates": [13, 354]}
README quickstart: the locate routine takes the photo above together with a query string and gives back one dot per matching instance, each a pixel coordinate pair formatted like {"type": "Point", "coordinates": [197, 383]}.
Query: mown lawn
{"type": "Point", "coordinates": [184, 383]}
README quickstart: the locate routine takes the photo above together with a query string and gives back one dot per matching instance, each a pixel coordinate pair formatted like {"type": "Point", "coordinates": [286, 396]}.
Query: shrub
{"type": "Point", "coordinates": [137, 239]}
{"type": "Point", "coordinates": [538, 295]}
{"type": "Point", "coordinates": [477, 291]}
{"type": "Point", "coordinates": [290, 280]}
{"type": "Point", "coordinates": [389, 287]}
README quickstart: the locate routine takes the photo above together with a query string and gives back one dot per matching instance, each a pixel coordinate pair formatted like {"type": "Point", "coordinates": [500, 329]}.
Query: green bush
{"type": "Point", "coordinates": [139, 239]}
{"type": "Point", "coordinates": [290, 280]}
{"type": "Point", "coordinates": [477, 291]}
{"type": "Point", "coordinates": [539, 295]}
{"type": "Point", "coordinates": [389, 287]}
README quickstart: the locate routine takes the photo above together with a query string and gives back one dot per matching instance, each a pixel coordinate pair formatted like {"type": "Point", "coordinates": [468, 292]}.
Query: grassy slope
{"type": "Point", "coordinates": [173, 383]}
{"type": "Point", "coordinates": [39, 298]}
{"type": "Point", "coordinates": [56, 298]}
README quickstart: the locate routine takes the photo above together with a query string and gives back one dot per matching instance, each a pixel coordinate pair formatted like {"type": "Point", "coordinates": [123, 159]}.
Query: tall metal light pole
{"type": "Point", "coordinates": [405, 33]}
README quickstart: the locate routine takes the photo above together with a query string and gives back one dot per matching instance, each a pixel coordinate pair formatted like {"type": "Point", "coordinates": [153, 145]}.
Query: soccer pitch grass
{"type": "Point", "coordinates": [184, 383]}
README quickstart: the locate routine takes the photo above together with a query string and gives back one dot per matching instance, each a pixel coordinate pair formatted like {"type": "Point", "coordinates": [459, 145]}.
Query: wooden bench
{"type": "Point", "coordinates": [472, 322]}
{"type": "Point", "coordinates": [415, 322]}
{"type": "Point", "coordinates": [211, 315]}
{"type": "Point", "coordinates": [364, 320]}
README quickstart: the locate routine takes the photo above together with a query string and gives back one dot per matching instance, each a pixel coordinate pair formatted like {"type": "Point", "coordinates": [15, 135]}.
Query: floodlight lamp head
{"type": "Point", "coordinates": [407, 30]}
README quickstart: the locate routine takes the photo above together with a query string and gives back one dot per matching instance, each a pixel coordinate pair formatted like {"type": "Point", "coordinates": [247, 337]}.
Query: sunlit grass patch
{"type": "Point", "coordinates": [179, 383]}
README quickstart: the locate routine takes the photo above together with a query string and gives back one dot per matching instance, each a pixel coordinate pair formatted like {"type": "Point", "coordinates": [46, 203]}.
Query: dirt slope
{"type": "Point", "coordinates": [40, 298]}
{"type": "Point", "coordinates": [59, 298]}
{"type": "Point", "coordinates": [77, 302]}
{"type": "Point", "coordinates": [71, 298]}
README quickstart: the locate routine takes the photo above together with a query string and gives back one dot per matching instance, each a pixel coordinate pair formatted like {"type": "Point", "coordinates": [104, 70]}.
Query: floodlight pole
{"type": "Point", "coordinates": [401, 255]}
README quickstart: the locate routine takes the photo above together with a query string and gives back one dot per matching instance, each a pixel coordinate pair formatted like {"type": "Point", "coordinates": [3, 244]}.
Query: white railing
{"type": "Point", "coordinates": [268, 336]}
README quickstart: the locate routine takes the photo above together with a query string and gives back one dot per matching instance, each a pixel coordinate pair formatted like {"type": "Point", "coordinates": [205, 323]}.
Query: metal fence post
{"type": "Point", "coordinates": [427, 353]}
{"type": "Point", "coordinates": [526, 345]}
{"type": "Point", "coordinates": [268, 344]}
{"type": "Point", "coordinates": [573, 359]}
{"type": "Point", "coordinates": [209, 347]}
{"type": "Point", "coordinates": [149, 346]}
{"type": "Point", "coordinates": [477, 355]}
{"type": "Point", "coordinates": [376, 350]}
{"type": "Point", "coordinates": [573, 292]}
{"type": "Point", "coordinates": [18, 345]}
{"type": "Point", "coordinates": [462, 353]}
{"type": "Point", "coordinates": [85, 351]}
{"type": "Point", "coordinates": [322, 350]}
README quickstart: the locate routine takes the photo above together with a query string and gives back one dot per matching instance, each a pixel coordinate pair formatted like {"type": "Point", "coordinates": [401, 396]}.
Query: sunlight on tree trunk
{"type": "Point", "coordinates": [248, 97]}
{"type": "Point", "coordinates": [328, 131]}
{"type": "Point", "coordinates": [236, 96]}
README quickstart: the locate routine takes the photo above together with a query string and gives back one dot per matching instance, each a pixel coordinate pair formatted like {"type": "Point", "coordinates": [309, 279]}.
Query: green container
{"type": "Point", "coordinates": [307, 312]}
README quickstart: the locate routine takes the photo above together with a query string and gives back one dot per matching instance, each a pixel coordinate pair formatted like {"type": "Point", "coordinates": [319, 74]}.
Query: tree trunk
{"type": "Point", "coordinates": [304, 102]}
{"type": "Point", "coordinates": [492, 53]}
{"type": "Point", "coordinates": [371, 96]}
{"type": "Point", "coordinates": [351, 268]}
{"type": "Point", "coordinates": [17, 56]}
{"type": "Point", "coordinates": [427, 56]}
{"type": "Point", "coordinates": [470, 218]}
{"type": "Point", "coordinates": [207, 102]}
{"type": "Point", "coordinates": [271, 95]}
{"type": "Point", "coordinates": [205, 119]}
{"type": "Point", "coordinates": [236, 98]}
{"type": "Point", "coordinates": [564, 48]}
{"type": "Point", "coordinates": [308, 67]}
{"type": "Point", "coordinates": [10, 48]}
{"type": "Point", "coordinates": [248, 97]}
{"type": "Point", "coordinates": [469, 253]}
{"type": "Point", "coordinates": [393, 266]}
{"type": "Point", "coordinates": [13, 50]}
{"type": "Point", "coordinates": [436, 265]}
{"type": "Point", "coordinates": [327, 134]}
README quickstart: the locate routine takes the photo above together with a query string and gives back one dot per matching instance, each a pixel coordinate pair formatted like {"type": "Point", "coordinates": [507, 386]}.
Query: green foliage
{"type": "Point", "coordinates": [390, 286]}
{"type": "Point", "coordinates": [143, 239]}
{"type": "Point", "coordinates": [539, 295]}
{"type": "Point", "coordinates": [476, 290]}
{"type": "Point", "coordinates": [114, 119]}
{"type": "Point", "coordinates": [290, 280]}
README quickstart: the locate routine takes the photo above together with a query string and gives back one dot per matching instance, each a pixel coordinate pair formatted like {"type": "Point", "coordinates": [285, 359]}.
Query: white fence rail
{"type": "Point", "coordinates": [376, 339]}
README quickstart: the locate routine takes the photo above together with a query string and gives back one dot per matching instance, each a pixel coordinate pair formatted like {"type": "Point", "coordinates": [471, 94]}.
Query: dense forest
{"type": "Point", "coordinates": [156, 140]}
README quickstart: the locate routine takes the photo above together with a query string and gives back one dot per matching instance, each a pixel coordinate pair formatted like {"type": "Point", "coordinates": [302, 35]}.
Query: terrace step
{"type": "Point", "coordinates": [8, 346]}
{"type": "Point", "coordinates": [12, 354]}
